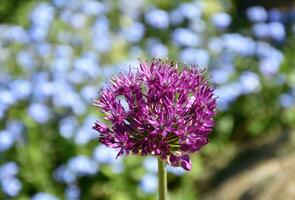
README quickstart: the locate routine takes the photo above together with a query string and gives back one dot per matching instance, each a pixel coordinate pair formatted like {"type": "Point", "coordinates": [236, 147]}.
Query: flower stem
{"type": "Point", "coordinates": [162, 176]}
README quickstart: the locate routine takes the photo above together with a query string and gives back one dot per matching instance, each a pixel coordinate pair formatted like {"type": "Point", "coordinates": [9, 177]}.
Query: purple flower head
{"type": "Point", "coordinates": [160, 110]}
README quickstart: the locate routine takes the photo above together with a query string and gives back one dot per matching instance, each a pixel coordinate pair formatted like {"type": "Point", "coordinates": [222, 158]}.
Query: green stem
{"type": "Point", "coordinates": [162, 176]}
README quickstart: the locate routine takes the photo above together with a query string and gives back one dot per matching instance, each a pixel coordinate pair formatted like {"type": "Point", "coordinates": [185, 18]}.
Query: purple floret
{"type": "Point", "coordinates": [168, 112]}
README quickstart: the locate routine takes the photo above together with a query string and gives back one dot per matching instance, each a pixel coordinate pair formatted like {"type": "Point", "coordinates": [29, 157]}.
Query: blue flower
{"type": "Point", "coordinates": [6, 140]}
{"type": "Point", "coordinates": [176, 17]}
{"type": "Point", "coordinates": [215, 45]}
{"type": "Point", "coordinates": [11, 186]}
{"type": "Point", "coordinates": [158, 50]}
{"type": "Point", "coordinates": [275, 15]}
{"type": "Point", "coordinates": [42, 14]}
{"type": "Point", "coordinates": [26, 59]}
{"type": "Point", "coordinates": [149, 183]}
{"type": "Point", "coordinates": [87, 65]}
{"type": "Point", "coordinates": [198, 57]}
{"type": "Point", "coordinates": [82, 166]}
{"type": "Point", "coordinates": [6, 97]}
{"type": "Point", "coordinates": [190, 10]}
{"type": "Point", "coordinates": [178, 171]}
{"type": "Point", "coordinates": [67, 126]}
{"type": "Point", "coordinates": [151, 164]}
{"type": "Point", "coordinates": [277, 31]}
{"type": "Point", "coordinates": [239, 44]}
{"type": "Point", "coordinates": [227, 94]}
{"type": "Point", "coordinates": [77, 20]}
{"type": "Point", "coordinates": [44, 196]}
{"type": "Point", "coordinates": [8, 170]}
{"type": "Point", "coordinates": [92, 7]}
{"type": "Point", "coordinates": [260, 30]}
{"type": "Point", "coordinates": [287, 100]}
{"type": "Point", "coordinates": [185, 37]}
{"type": "Point", "coordinates": [39, 112]}
{"type": "Point", "coordinates": [221, 20]}
{"type": "Point", "coordinates": [135, 32]}
{"type": "Point", "coordinates": [157, 18]}
{"type": "Point", "coordinates": [256, 14]}
{"type": "Point", "coordinates": [16, 34]}
{"type": "Point", "coordinates": [105, 155]}
{"type": "Point", "coordinates": [64, 174]}
{"type": "Point", "coordinates": [88, 93]}
{"type": "Point", "coordinates": [249, 82]}
{"type": "Point", "coordinates": [72, 192]}
{"type": "Point", "coordinates": [222, 75]}
{"type": "Point", "coordinates": [20, 89]}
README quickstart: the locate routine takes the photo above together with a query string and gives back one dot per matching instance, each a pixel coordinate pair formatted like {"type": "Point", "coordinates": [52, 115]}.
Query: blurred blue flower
{"type": "Point", "coordinates": [178, 171]}
{"type": "Point", "coordinates": [6, 97]}
{"type": "Point", "coordinates": [92, 7]}
{"type": "Point", "coordinates": [72, 192]}
{"type": "Point", "coordinates": [105, 155]}
{"type": "Point", "coordinates": [277, 31]}
{"type": "Point", "coordinates": [38, 33]}
{"type": "Point", "coordinates": [151, 164]}
{"type": "Point", "coordinates": [82, 165]}
{"type": "Point", "coordinates": [176, 17]}
{"type": "Point", "coordinates": [101, 35]}
{"type": "Point", "coordinates": [67, 126]}
{"type": "Point", "coordinates": [249, 82]}
{"type": "Point", "coordinates": [132, 8]}
{"type": "Point", "coordinates": [256, 14]}
{"type": "Point", "coordinates": [89, 93]}
{"type": "Point", "coordinates": [26, 59]}
{"type": "Point", "coordinates": [260, 30]}
{"type": "Point", "coordinates": [269, 66]}
{"type": "Point", "coordinates": [244, 46]}
{"type": "Point", "coordinates": [6, 140]}
{"type": "Point", "coordinates": [8, 170]}
{"type": "Point", "coordinates": [157, 18]}
{"type": "Point", "coordinates": [221, 20]}
{"type": "Point", "coordinates": [287, 100]}
{"type": "Point", "coordinates": [198, 57]}
{"type": "Point", "coordinates": [44, 196]}
{"type": "Point", "coordinates": [227, 94]}
{"type": "Point", "coordinates": [134, 33]}
{"type": "Point", "coordinates": [185, 37]}
{"type": "Point", "coordinates": [78, 20]}
{"type": "Point", "coordinates": [215, 45]}
{"type": "Point", "coordinates": [64, 174]}
{"type": "Point", "coordinates": [158, 50]}
{"type": "Point", "coordinates": [222, 75]}
{"type": "Point", "coordinates": [63, 51]}
{"type": "Point", "coordinates": [275, 15]}
{"type": "Point", "coordinates": [197, 25]}
{"type": "Point", "coordinates": [11, 186]}
{"type": "Point", "coordinates": [39, 112]}
{"type": "Point", "coordinates": [16, 34]}
{"type": "Point", "coordinates": [42, 14]}
{"type": "Point", "coordinates": [60, 65]}
{"type": "Point", "coordinates": [190, 10]}
{"type": "Point", "coordinates": [149, 183]}
{"type": "Point", "coordinates": [20, 89]}
{"type": "Point", "coordinates": [60, 3]}
{"type": "Point", "coordinates": [87, 65]}
{"type": "Point", "coordinates": [84, 135]}
{"type": "Point", "coordinates": [43, 49]}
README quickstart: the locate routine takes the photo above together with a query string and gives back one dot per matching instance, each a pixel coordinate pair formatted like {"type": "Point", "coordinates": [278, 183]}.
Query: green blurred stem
{"type": "Point", "coordinates": [162, 178]}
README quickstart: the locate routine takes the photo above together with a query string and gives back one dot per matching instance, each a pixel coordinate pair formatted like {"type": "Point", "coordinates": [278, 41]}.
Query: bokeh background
{"type": "Point", "coordinates": [55, 55]}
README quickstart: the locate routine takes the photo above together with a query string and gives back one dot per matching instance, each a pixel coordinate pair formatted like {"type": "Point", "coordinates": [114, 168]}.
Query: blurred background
{"type": "Point", "coordinates": [56, 54]}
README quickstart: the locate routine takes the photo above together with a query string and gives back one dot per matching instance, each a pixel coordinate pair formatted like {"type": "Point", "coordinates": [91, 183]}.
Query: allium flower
{"type": "Point", "coordinates": [160, 110]}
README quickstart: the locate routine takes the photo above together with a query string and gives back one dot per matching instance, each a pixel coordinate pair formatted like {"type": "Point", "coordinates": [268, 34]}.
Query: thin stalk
{"type": "Point", "coordinates": [162, 176]}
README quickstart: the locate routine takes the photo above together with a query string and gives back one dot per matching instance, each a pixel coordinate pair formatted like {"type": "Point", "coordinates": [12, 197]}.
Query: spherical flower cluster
{"type": "Point", "coordinates": [159, 110]}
